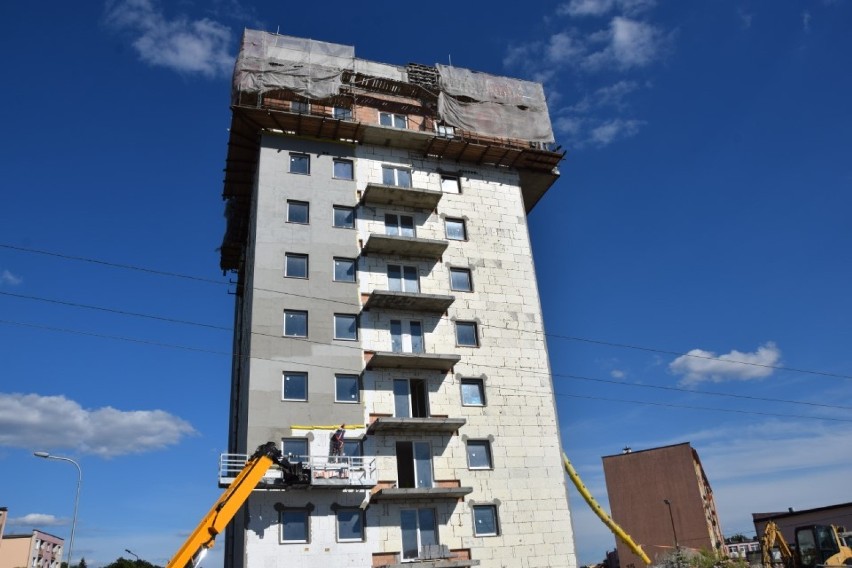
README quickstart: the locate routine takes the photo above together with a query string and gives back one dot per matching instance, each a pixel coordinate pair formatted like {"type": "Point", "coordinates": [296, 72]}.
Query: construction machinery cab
{"type": "Point", "coordinates": [821, 545]}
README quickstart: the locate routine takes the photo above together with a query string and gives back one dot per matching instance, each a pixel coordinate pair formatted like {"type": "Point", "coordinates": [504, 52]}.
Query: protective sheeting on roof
{"type": "Point", "coordinates": [492, 105]}
{"type": "Point", "coordinates": [309, 68]}
{"type": "Point", "coordinates": [383, 70]}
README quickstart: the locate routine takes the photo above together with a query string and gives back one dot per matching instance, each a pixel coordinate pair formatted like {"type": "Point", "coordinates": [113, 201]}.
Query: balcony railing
{"type": "Point", "coordinates": [324, 471]}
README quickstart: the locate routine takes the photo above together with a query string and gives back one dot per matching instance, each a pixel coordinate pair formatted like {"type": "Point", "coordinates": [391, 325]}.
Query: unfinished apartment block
{"type": "Point", "coordinates": [376, 225]}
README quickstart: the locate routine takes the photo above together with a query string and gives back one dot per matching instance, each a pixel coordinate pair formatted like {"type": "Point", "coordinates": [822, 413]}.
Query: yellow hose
{"type": "Point", "coordinates": [616, 530]}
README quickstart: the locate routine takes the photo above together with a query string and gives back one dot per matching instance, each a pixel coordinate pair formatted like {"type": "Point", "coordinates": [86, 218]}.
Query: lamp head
{"type": "Point", "coordinates": [666, 501]}
{"type": "Point", "coordinates": [41, 454]}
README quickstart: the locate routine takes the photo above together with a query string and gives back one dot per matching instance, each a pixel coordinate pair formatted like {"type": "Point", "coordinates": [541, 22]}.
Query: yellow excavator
{"type": "Point", "coordinates": [817, 546]}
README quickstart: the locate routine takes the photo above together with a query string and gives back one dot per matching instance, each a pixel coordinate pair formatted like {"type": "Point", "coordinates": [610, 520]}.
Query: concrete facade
{"type": "Point", "coordinates": [638, 484]}
{"type": "Point", "coordinates": [454, 400]}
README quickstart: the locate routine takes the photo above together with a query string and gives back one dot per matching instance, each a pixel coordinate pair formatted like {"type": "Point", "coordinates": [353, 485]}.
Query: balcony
{"type": "Point", "coordinates": [431, 249]}
{"type": "Point", "coordinates": [408, 301]}
{"type": "Point", "coordinates": [429, 556]}
{"type": "Point", "coordinates": [335, 472]}
{"type": "Point", "coordinates": [451, 489]}
{"type": "Point", "coordinates": [431, 424]}
{"type": "Point", "coordinates": [394, 360]}
{"type": "Point", "coordinates": [378, 194]}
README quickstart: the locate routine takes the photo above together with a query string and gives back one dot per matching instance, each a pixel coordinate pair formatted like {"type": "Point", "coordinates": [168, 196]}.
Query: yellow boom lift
{"type": "Point", "coordinates": [215, 521]}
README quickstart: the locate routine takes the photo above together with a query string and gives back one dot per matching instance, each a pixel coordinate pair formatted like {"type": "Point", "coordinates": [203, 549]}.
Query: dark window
{"type": "Point", "coordinates": [393, 120]}
{"type": "Point", "coordinates": [295, 386]}
{"type": "Point", "coordinates": [456, 230]}
{"type": "Point", "coordinates": [400, 177]}
{"type": "Point", "coordinates": [294, 525]}
{"type": "Point", "coordinates": [473, 392]}
{"type": "Point", "coordinates": [297, 212]}
{"type": "Point", "coordinates": [344, 169]}
{"type": "Point", "coordinates": [346, 327]}
{"type": "Point", "coordinates": [347, 389]}
{"type": "Point", "coordinates": [344, 217]}
{"type": "Point", "coordinates": [300, 164]}
{"type": "Point", "coordinates": [466, 335]}
{"type": "Point", "coordinates": [342, 113]}
{"type": "Point", "coordinates": [460, 280]}
{"type": "Point", "coordinates": [295, 323]}
{"type": "Point", "coordinates": [479, 454]}
{"type": "Point", "coordinates": [399, 225]}
{"type": "Point", "coordinates": [295, 265]}
{"type": "Point", "coordinates": [350, 525]}
{"type": "Point", "coordinates": [344, 270]}
{"type": "Point", "coordinates": [485, 520]}
{"type": "Point", "coordinates": [295, 447]}
{"type": "Point", "coordinates": [301, 107]}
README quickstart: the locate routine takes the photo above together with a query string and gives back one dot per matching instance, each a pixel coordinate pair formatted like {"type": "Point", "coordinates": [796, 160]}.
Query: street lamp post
{"type": "Point", "coordinates": [128, 551]}
{"type": "Point", "coordinates": [48, 456]}
{"type": "Point", "coordinates": [674, 531]}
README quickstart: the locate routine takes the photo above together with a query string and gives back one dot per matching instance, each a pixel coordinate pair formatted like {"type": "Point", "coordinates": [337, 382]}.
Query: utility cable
{"type": "Point", "coordinates": [544, 333]}
{"type": "Point", "coordinates": [360, 349]}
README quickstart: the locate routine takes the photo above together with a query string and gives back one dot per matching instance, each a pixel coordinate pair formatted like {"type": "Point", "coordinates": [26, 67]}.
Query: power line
{"type": "Point", "coordinates": [111, 264]}
{"type": "Point", "coordinates": [546, 334]}
{"type": "Point", "coordinates": [360, 349]}
{"type": "Point", "coordinates": [689, 407]}
{"type": "Point", "coordinates": [358, 371]}
{"type": "Point", "coordinates": [115, 311]}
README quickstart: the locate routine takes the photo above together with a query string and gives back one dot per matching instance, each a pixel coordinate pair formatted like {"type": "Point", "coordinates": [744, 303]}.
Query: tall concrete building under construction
{"type": "Point", "coordinates": [376, 225]}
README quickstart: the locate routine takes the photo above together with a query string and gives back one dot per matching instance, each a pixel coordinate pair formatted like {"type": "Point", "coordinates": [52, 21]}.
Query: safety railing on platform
{"type": "Point", "coordinates": [348, 471]}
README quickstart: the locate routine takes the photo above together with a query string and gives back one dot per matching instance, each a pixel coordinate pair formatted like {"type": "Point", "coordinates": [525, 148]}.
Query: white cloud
{"type": "Point", "coordinates": [40, 422]}
{"type": "Point", "coordinates": [634, 43]}
{"type": "Point", "coordinates": [583, 8]}
{"type": "Point", "coordinates": [745, 18]}
{"type": "Point", "coordinates": [183, 45]}
{"type": "Point", "coordinates": [564, 48]}
{"type": "Point", "coordinates": [37, 520]}
{"type": "Point", "coordinates": [617, 374]}
{"type": "Point", "coordinates": [806, 21]}
{"type": "Point", "coordinates": [6, 277]}
{"type": "Point", "coordinates": [614, 129]}
{"type": "Point", "coordinates": [699, 365]}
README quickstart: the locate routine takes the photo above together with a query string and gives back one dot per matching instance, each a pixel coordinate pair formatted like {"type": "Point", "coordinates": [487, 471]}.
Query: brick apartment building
{"type": "Point", "coordinates": [639, 484]}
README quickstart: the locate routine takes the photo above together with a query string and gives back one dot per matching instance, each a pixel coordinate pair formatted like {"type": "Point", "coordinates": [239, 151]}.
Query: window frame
{"type": "Point", "coordinates": [305, 312]}
{"type": "Point", "coordinates": [306, 516]}
{"type": "Point", "coordinates": [445, 130]}
{"type": "Point", "coordinates": [284, 378]}
{"type": "Point", "coordinates": [357, 379]}
{"type": "Point", "coordinates": [307, 204]}
{"type": "Point", "coordinates": [461, 222]}
{"type": "Point", "coordinates": [396, 170]}
{"type": "Point", "coordinates": [481, 388]}
{"type": "Point", "coordinates": [396, 227]}
{"type": "Point", "coordinates": [351, 164]}
{"type": "Point", "coordinates": [354, 320]}
{"type": "Point", "coordinates": [295, 255]}
{"type": "Point", "coordinates": [302, 441]}
{"type": "Point", "coordinates": [495, 515]}
{"type": "Point", "coordinates": [362, 522]}
{"type": "Point", "coordinates": [466, 324]}
{"type": "Point", "coordinates": [300, 156]}
{"type": "Point", "coordinates": [335, 209]}
{"type": "Point", "coordinates": [461, 270]}
{"type": "Point", "coordinates": [446, 178]}
{"type": "Point", "coordinates": [300, 107]}
{"type": "Point", "coordinates": [402, 282]}
{"type": "Point", "coordinates": [337, 111]}
{"type": "Point", "coordinates": [485, 445]}
{"type": "Point", "coordinates": [392, 119]}
{"type": "Point", "coordinates": [335, 261]}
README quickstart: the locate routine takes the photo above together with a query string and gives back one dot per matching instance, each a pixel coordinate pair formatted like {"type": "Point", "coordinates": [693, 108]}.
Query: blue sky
{"type": "Point", "coordinates": [703, 208]}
